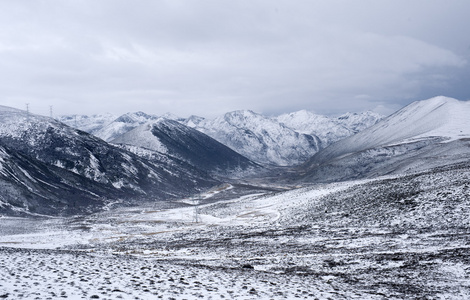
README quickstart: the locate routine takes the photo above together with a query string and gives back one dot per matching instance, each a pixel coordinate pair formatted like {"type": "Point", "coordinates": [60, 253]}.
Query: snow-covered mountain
{"type": "Point", "coordinates": [109, 126]}
{"type": "Point", "coordinates": [288, 139]}
{"type": "Point", "coordinates": [329, 129]}
{"type": "Point", "coordinates": [259, 138]}
{"type": "Point", "coordinates": [49, 168]}
{"type": "Point", "coordinates": [90, 124]}
{"type": "Point", "coordinates": [123, 124]}
{"type": "Point", "coordinates": [173, 138]}
{"type": "Point", "coordinates": [359, 121]}
{"type": "Point", "coordinates": [424, 134]}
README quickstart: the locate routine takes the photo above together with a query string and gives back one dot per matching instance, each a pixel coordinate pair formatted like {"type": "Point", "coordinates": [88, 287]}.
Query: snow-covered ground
{"type": "Point", "coordinates": [35, 274]}
{"type": "Point", "coordinates": [403, 237]}
{"type": "Point", "coordinates": [95, 257]}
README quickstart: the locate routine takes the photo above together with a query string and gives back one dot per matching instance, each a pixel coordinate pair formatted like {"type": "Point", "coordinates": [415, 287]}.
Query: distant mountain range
{"type": "Point", "coordinates": [49, 168]}
{"type": "Point", "coordinates": [425, 134]}
{"type": "Point", "coordinates": [328, 129]}
{"type": "Point", "coordinates": [285, 140]}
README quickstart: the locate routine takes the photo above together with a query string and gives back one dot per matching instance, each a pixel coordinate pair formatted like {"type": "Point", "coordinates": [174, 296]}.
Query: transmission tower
{"type": "Point", "coordinates": [27, 111]}
{"type": "Point", "coordinates": [50, 111]}
{"type": "Point", "coordinates": [196, 218]}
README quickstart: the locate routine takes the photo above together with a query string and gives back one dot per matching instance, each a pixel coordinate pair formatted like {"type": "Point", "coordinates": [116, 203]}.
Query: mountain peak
{"type": "Point", "coordinates": [240, 118]}
{"type": "Point", "coordinates": [242, 113]}
{"type": "Point", "coordinates": [193, 121]}
{"type": "Point", "coordinates": [439, 117]}
{"type": "Point", "coordinates": [135, 117]}
{"type": "Point", "coordinates": [439, 100]}
{"type": "Point", "coordinates": [188, 144]}
{"type": "Point", "coordinates": [171, 116]}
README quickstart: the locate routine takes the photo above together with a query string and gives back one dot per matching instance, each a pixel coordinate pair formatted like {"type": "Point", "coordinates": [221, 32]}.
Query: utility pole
{"type": "Point", "coordinates": [50, 111]}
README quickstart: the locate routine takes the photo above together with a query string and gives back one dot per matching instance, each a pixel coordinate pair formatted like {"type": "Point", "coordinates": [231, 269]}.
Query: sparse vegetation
{"type": "Point", "coordinates": [397, 238]}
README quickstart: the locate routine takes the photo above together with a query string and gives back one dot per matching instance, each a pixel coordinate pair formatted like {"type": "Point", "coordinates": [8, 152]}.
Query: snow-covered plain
{"type": "Point", "coordinates": [401, 237]}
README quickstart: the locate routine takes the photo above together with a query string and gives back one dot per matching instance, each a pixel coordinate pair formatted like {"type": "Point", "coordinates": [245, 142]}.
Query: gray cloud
{"type": "Point", "coordinates": [209, 57]}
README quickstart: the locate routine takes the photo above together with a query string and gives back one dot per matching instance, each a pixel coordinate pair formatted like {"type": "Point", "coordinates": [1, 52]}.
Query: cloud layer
{"type": "Point", "coordinates": [209, 57]}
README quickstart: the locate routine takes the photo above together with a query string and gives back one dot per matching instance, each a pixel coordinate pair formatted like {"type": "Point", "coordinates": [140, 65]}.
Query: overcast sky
{"type": "Point", "coordinates": [210, 57]}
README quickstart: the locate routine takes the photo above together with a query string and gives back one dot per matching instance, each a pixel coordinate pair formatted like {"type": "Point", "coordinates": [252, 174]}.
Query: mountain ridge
{"type": "Point", "coordinates": [260, 138]}
{"type": "Point", "coordinates": [424, 134]}
{"type": "Point", "coordinates": [66, 170]}
{"type": "Point", "coordinates": [265, 140]}
{"type": "Point", "coordinates": [196, 148]}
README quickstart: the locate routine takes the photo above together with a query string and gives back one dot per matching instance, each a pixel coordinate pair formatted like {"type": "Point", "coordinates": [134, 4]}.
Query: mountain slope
{"type": "Point", "coordinates": [44, 161]}
{"type": "Point", "coordinates": [123, 124]}
{"type": "Point", "coordinates": [329, 129]}
{"type": "Point", "coordinates": [29, 186]}
{"type": "Point", "coordinates": [359, 121]}
{"type": "Point", "coordinates": [424, 134]}
{"type": "Point", "coordinates": [289, 139]}
{"type": "Point", "coordinates": [259, 138]}
{"type": "Point", "coordinates": [173, 138]}
{"type": "Point", "coordinates": [90, 124]}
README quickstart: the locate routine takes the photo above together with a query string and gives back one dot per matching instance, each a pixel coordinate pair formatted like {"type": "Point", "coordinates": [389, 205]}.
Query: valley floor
{"type": "Point", "coordinates": [390, 238]}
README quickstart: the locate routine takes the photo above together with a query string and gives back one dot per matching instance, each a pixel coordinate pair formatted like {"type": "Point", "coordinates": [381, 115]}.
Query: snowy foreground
{"type": "Point", "coordinates": [389, 238]}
